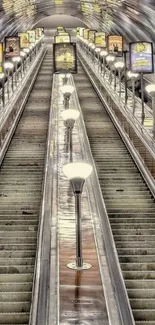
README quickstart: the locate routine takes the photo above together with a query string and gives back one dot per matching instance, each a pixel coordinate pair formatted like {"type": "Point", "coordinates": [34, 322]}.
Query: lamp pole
{"type": "Point", "coordinates": [2, 76]}
{"type": "Point", "coordinates": [8, 66]}
{"type": "Point", "coordinates": [77, 173]}
{"type": "Point", "coordinates": [69, 117]}
{"type": "Point", "coordinates": [67, 90]}
{"type": "Point", "coordinates": [142, 97]}
{"type": "Point", "coordinates": [125, 75]}
{"type": "Point", "coordinates": [151, 90]}
{"type": "Point", "coordinates": [118, 66]}
{"type": "Point", "coordinates": [133, 77]}
{"type": "Point", "coordinates": [110, 60]}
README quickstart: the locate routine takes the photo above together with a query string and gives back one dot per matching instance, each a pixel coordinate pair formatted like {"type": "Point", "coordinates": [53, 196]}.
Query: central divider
{"type": "Point", "coordinates": [87, 295]}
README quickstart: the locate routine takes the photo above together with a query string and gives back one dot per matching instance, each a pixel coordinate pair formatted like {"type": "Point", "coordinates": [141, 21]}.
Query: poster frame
{"type": "Point", "coordinates": [5, 41]}
{"type": "Point", "coordinates": [119, 53]}
{"type": "Point", "coordinates": [152, 61]}
{"type": "Point", "coordinates": [98, 45]}
{"type": "Point", "coordinates": [92, 30]}
{"type": "Point", "coordinates": [62, 36]}
{"type": "Point", "coordinates": [1, 63]}
{"type": "Point", "coordinates": [20, 40]}
{"type": "Point", "coordinates": [54, 61]}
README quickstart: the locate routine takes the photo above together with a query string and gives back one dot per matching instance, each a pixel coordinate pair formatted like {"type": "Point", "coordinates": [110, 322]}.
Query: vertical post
{"type": "Point", "coordinates": [125, 77]}
{"type": "Point", "coordinates": [79, 259]}
{"type": "Point", "coordinates": [142, 97]}
{"type": "Point", "coordinates": [120, 88]}
{"type": "Point", "coordinates": [12, 80]}
{"type": "Point", "coordinates": [15, 73]}
{"type": "Point", "coordinates": [115, 79]}
{"type": "Point", "coordinates": [8, 83]}
{"type": "Point", "coordinates": [133, 94]}
{"type": "Point", "coordinates": [3, 92]}
{"type": "Point", "coordinates": [153, 109]}
{"type": "Point", "coordinates": [70, 144]}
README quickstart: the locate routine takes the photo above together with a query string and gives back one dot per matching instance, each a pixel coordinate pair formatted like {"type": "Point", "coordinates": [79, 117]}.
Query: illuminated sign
{"type": "Point", "coordinates": [78, 31]}
{"type": "Point", "coordinates": [100, 40]}
{"type": "Point", "coordinates": [1, 57]}
{"type": "Point", "coordinates": [32, 36]}
{"type": "Point", "coordinates": [24, 40]}
{"type": "Point", "coordinates": [81, 31]}
{"type": "Point", "coordinates": [60, 29]}
{"type": "Point", "coordinates": [65, 59]}
{"type": "Point", "coordinates": [86, 33]}
{"type": "Point", "coordinates": [91, 36]}
{"type": "Point", "coordinates": [58, 2]}
{"type": "Point", "coordinates": [12, 46]}
{"type": "Point", "coordinates": [62, 38]}
{"type": "Point", "coordinates": [39, 33]}
{"type": "Point", "coordinates": [141, 57]}
{"type": "Point", "coordinates": [115, 44]}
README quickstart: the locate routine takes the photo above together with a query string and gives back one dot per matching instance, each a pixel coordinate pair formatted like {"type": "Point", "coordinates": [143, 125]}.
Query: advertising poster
{"type": "Point", "coordinates": [86, 33]}
{"type": "Point", "coordinates": [77, 31]}
{"type": "Point", "coordinates": [115, 44]}
{"type": "Point", "coordinates": [32, 36]}
{"type": "Point", "coordinates": [81, 31]}
{"type": "Point", "coordinates": [141, 57]}
{"type": "Point", "coordinates": [60, 29]}
{"type": "Point", "coordinates": [100, 39]}
{"type": "Point", "coordinates": [64, 38]}
{"type": "Point", "coordinates": [58, 2]}
{"type": "Point", "coordinates": [1, 57]}
{"type": "Point", "coordinates": [12, 46]}
{"type": "Point", "coordinates": [39, 33]}
{"type": "Point", "coordinates": [24, 40]}
{"type": "Point", "coordinates": [65, 59]}
{"type": "Point", "coordinates": [91, 36]}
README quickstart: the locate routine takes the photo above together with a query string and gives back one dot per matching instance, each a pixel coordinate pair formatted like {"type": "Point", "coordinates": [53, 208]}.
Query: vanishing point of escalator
{"type": "Point", "coordinates": [21, 177]}
{"type": "Point", "coordinates": [129, 203]}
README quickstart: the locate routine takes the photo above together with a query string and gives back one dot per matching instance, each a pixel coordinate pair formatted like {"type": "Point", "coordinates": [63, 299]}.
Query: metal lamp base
{"type": "Point", "coordinates": [73, 266]}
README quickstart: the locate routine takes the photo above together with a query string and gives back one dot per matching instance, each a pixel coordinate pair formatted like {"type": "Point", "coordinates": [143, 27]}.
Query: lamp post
{"type": "Point", "coordinates": [110, 60]}
{"type": "Point", "coordinates": [67, 90]}
{"type": "Point", "coordinates": [65, 78]}
{"type": "Point", "coordinates": [118, 66]}
{"type": "Point", "coordinates": [92, 47]}
{"type": "Point", "coordinates": [103, 55]}
{"type": "Point", "coordinates": [27, 51]}
{"type": "Point", "coordinates": [151, 90]}
{"type": "Point", "coordinates": [8, 66]}
{"type": "Point", "coordinates": [77, 174]}
{"type": "Point", "coordinates": [69, 117]}
{"type": "Point", "coordinates": [16, 60]}
{"type": "Point", "coordinates": [133, 76]}
{"type": "Point", "coordinates": [23, 56]}
{"type": "Point", "coordinates": [97, 51]}
{"type": "Point", "coordinates": [2, 76]}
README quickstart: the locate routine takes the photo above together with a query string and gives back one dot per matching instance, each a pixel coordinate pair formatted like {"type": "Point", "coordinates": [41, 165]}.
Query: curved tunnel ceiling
{"type": "Point", "coordinates": [133, 18]}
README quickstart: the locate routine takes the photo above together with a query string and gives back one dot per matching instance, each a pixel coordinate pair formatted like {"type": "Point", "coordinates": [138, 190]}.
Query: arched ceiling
{"type": "Point", "coordinates": [133, 18]}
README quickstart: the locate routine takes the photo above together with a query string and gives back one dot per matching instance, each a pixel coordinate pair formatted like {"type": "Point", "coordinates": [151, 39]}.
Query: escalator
{"type": "Point", "coordinates": [21, 177]}
{"type": "Point", "coordinates": [130, 205]}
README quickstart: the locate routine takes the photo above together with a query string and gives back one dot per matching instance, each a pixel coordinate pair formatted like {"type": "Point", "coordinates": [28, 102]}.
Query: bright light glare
{"type": "Point", "coordinates": [103, 53]}
{"type": "Point", "coordinates": [119, 65]}
{"type": "Point", "coordinates": [77, 170]}
{"type": "Point", "coordinates": [70, 114]}
{"type": "Point", "coordinates": [110, 58]}
{"type": "Point", "coordinates": [150, 88]}
{"type": "Point", "coordinates": [2, 75]}
{"type": "Point", "coordinates": [132, 74]}
{"type": "Point", "coordinates": [67, 89]}
{"type": "Point", "coordinates": [8, 65]}
{"type": "Point", "coordinates": [16, 59]}
{"type": "Point", "coordinates": [26, 50]}
{"type": "Point", "coordinates": [98, 49]}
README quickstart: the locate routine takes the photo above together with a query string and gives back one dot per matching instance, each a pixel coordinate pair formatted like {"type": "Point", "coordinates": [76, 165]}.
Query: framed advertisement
{"type": "Point", "coordinates": [24, 40]}
{"type": "Point", "coordinates": [64, 38]}
{"type": "Point", "coordinates": [115, 44]}
{"type": "Point", "coordinates": [32, 36]}
{"type": "Point", "coordinates": [38, 33]}
{"type": "Point", "coordinates": [77, 31]}
{"type": "Point", "coordinates": [91, 36]}
{"type": "Point", "coordinates": [86, 33]}
{"type": "Point", "coordinates": [60, 29]}
{"type": "Point", "coordinates": [1, 57]}
{"type": "Point", "coordinates": [65, 58]}
{"type": "Point", "coordinates": [81, 31]}
{"type": "Point", "coordinates": [12, 46]}
{"type": "Point", "coordinates": [141, 57]}
{"type": "Point", "coordinates": [100, 39]}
